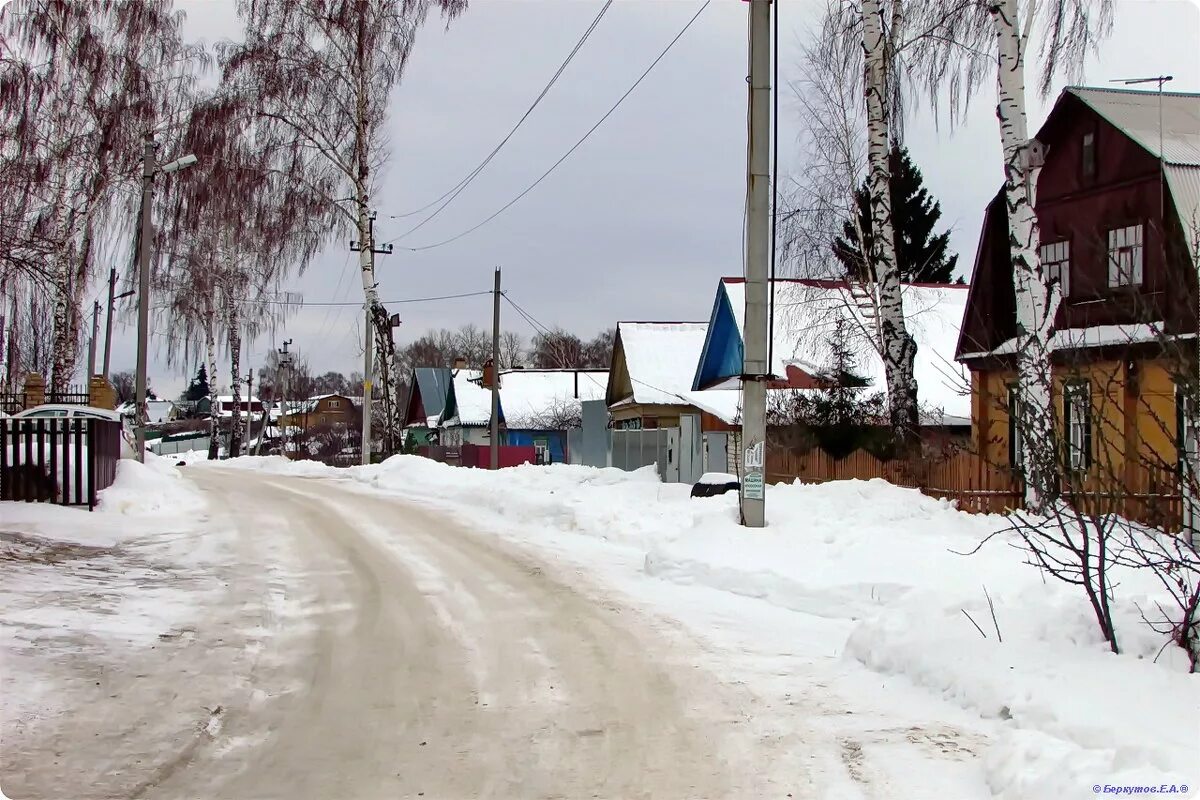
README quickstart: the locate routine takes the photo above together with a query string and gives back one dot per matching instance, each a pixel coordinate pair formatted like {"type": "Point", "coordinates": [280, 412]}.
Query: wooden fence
{"type": "Point", "coordinates": [65, 460]}
{"type": "Point", "coordinates": [1152, 496]}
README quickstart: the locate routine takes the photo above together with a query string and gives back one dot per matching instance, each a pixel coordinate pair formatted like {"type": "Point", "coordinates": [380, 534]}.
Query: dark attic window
{"type": "Point", "coordinates": [1088, 152]}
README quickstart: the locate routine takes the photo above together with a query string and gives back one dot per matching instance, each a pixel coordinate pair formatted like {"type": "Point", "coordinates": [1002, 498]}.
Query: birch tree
{"type": "Point", "coordinates": [896, 345]}
{"type": "Point", "coordinates": [87, 80]}
{"type": "Point", "coordinates": [319, 75]}
{"type": "Point", "coordinates": [972, 40]}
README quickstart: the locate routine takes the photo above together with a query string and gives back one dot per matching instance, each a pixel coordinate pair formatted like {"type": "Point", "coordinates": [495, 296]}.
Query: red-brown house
{"type": "Point", "coordinates": [1117, 213]}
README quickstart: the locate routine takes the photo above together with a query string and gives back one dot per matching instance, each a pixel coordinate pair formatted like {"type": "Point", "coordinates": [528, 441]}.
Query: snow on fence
{"type": "Point", "coordinates": [66, 460]}
{"type": "Point", "coordinates": [1152, 496]}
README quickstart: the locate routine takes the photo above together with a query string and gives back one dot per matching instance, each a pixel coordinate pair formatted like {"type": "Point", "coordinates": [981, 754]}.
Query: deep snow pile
{"type": "Point", "coordinates": [141, 493]}
{"type": "Point", "coordinates": [884, 566]}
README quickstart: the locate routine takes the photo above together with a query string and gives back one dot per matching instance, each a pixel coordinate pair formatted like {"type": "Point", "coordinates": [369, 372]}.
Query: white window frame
{"type": "Point", "coordinates": [335, 403]}
{"type": "Point", "coordinates": [1056, 264]}
{"type": "Point", "coordinates": [1077, 399]}
{"type": "Point", "coordinates": [1126, 256]}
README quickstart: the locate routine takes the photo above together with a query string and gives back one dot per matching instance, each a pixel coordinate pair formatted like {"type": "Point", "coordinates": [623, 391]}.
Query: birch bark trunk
{"type": "Point", "coordinates": [897, 347]}
{"type": "Point", "coordinates": [1037, 303]}
{"type": "Point", "coordinates": [235, 383]}
{"type": "Point", "coordinates": [214, 429]}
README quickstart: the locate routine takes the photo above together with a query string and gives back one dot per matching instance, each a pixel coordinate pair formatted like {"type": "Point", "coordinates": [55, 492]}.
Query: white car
{"type": "Point", "coordinates": [60, 410]}
{"type": "Point", "coordinates": [64, 411]}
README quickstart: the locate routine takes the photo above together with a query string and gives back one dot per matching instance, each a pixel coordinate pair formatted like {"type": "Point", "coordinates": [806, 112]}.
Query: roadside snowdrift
{"type": "Point", "coordinates": [885, 566]}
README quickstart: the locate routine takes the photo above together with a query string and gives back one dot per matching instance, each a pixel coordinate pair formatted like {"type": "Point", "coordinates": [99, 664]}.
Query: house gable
{"type": "Point", "coordinates": [724, 352]}
{"type": "Point", "coordinates": [1080, 202]}
{"type": "Point", "coordinates": [620, 387]}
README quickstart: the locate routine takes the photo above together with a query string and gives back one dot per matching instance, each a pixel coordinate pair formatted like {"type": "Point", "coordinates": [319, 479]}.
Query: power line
{"type": "Point", "coordinates": [359, 303]}
{"type": "Point", "coordinates": [456, 190]}
{"type": "Point", "coordinates": [575, 146]}
{"type": "Point", "coordinates": [542, 329]}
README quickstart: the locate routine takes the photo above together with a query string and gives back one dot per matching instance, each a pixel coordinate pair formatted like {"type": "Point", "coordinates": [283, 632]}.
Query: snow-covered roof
{"type": "Point", "coordinates": [807, 314]}
{"type": "Point", "coordinates": [1095, 336]}
{"type": "Point", "coordinates": [1136, 114]}
{"type": "Point", "coordinates": [472, 403]}
{"type": "Point", "coordinates": [661, 359]}
{"type": "Point", "coordinates": [159, 410]}
{"type": "Point", "coordinates": [532, 397]}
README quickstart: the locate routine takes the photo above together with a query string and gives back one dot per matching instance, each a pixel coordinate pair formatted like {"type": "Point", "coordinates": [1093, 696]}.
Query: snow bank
{"type": "Point", "coordinates": [150, 491]}
{"type": "Point", "coordinates": [885, 570]}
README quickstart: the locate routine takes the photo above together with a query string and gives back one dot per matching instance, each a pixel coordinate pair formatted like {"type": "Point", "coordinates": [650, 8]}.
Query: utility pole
{"type": "Point", "coordinates": [755, 369]}
{"type": "Point", "coordinates": [495, 432]}
{"type": "Point", "coordinates": [112, 288]}
{"type": "Point", "coordinates": [368, 251]}
{"type": "Point", "coordinates": [149, 169]}
{"type": "Point", "coordinates": [108, 326]}
{"type": "Point", "coordinates": [285, 363]}
{"type": "Point", "coordinates": [92, 343]}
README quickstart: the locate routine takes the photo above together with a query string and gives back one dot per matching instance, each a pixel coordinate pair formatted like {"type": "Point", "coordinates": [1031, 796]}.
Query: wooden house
{"type": "Point", "coordinates": [1117, 202]}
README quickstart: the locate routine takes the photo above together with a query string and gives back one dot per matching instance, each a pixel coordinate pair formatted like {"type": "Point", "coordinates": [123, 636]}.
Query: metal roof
{"type": "Point", "coordinates": [1136, 113]}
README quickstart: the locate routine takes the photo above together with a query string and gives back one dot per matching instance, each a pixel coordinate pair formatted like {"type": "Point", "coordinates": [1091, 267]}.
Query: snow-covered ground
{"type": "Point", "coordinates": [846, 616]}
{"type": "Point", "coordinates": [845, 620]}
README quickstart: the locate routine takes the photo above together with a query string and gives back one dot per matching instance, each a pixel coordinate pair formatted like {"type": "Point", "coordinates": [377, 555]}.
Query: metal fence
{"type": "Point", "coordinates": [634, 449]}
{"type": "Point", "coordinates": [73, 396]}
{"type": "Point", "coordinates": [58, 460]}
{"type": "Point", "coordinates": [12, 402]}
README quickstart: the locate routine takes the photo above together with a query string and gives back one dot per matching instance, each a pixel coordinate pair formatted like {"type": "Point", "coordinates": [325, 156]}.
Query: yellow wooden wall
{"type": "Point", "coordinates": [1133, 411]}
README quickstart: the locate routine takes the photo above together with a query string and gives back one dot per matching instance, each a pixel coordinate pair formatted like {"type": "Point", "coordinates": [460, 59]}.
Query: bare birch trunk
{"type": "Point", "coordinates": [1037, 304]}
{"type": "Point", "coordinates": [897, 347]}
{"type": "Point", "coordinates": [214, 428]}
{"type": "Point", "coordinates": [63, 344]}
{"type": "Point", "coordinates": [235, 383]}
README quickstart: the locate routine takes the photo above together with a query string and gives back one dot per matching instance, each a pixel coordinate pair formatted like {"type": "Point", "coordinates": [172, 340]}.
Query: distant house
{"type": "Point", "coordinates": [808, 313]}
{"type": "Point", "coordinates": [653, 367]}
{"type": "Point", "coordinates": [428, 390]}
{"type": "Point", "coordinates": [1118, 216]}
{"type": "Point", "coordinates": [334, 411]}
{"type": "Point", "coordinates": [541, 405]}
{"type": "Point", "coordinates": [159, 411]}
{"type": "Point", "coordinates": [537, 407]}
{"type": "Point", "coordinates": [225, 406]}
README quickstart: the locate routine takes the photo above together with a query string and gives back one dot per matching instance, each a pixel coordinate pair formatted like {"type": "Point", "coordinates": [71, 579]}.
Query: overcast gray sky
{"type": "Point", "coordinates": [642, 220]}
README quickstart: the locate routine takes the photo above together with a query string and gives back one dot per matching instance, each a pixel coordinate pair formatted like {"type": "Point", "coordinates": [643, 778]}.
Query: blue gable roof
{"type": "Point", "coordinates": [723, 354]}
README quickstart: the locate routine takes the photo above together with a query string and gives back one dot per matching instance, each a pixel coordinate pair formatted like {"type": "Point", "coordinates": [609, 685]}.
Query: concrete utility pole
{"type": "Point", "coordinates": [495, 431]}
{"type": "Point", "coordinates": [755, 369]}
{"type": "Point", "coordinates": [366, 260]}
{"type": "Point", "coordinates": [285, 363]}
{"type": "Point", "coordinates": [92, 343]}
{"type": "Point", "coordinates": [112, 288]}
{"type": "Point", "coordinates": [150, 168]}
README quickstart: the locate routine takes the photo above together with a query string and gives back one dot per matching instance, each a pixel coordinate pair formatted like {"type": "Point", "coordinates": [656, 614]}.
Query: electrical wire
{"type": "Point", "coordinates": [574, 147]}
{"type": "Point", "coordinates": [359, 302]}
{"type": "Point", "coordinates": [456, 190]}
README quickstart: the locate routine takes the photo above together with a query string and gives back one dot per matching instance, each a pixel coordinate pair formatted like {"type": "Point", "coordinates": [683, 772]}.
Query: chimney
{"type": "Point", "coordinates": [489, 374]}
{"type": "Point", "coordinates": [460, 363]}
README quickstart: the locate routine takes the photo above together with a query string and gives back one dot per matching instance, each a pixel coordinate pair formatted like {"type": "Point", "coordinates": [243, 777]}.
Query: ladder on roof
{"type": "Point", "coordinates": [865, 297]}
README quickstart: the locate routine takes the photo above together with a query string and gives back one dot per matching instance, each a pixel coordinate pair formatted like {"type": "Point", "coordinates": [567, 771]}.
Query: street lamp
{"type": "Point", "coordinates": [150, 168]}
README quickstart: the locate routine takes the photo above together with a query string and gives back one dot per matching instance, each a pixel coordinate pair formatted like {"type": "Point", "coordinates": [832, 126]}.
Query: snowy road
{"type": "Point", "coordinates": [361, 647]}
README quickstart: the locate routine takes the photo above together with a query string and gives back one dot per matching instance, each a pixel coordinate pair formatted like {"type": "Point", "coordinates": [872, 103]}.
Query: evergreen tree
{"type": "Point", "coordinates": [198, 388]}
{"type": "Point", "coordinates": [922, 256]}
